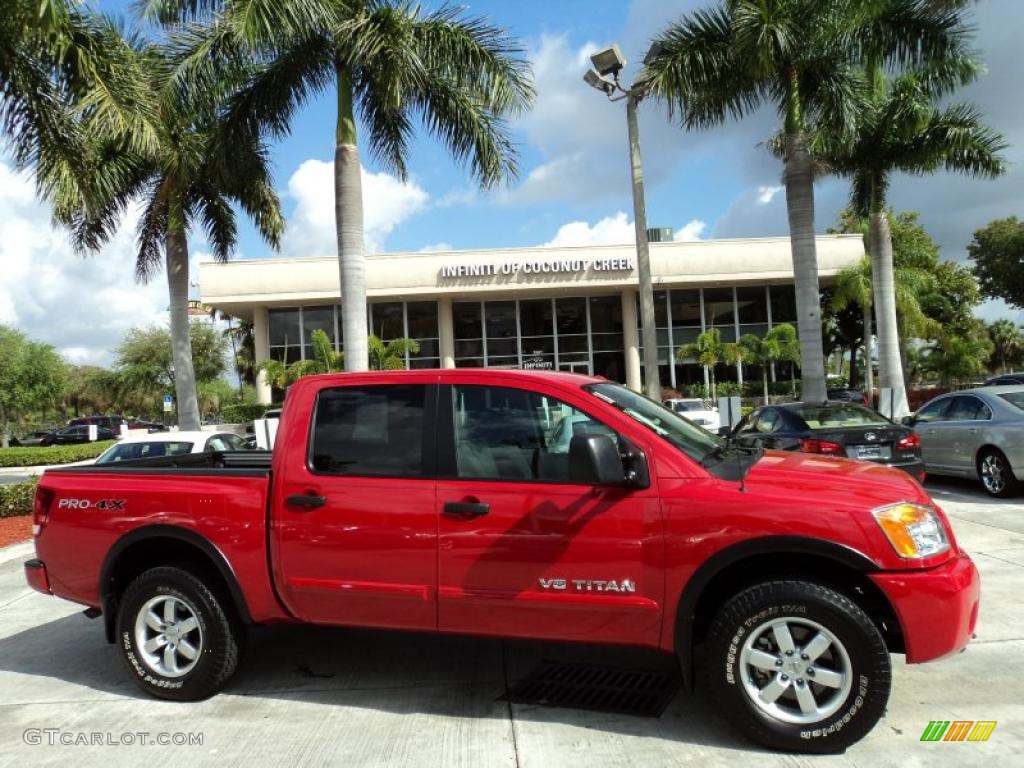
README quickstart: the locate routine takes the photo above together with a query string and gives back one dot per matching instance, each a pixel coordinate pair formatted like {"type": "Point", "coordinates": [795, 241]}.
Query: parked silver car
{"type": "Point", "coordinates": [975, 433]}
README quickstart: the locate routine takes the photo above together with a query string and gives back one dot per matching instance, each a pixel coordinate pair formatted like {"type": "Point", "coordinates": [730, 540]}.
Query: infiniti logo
{"type": "Point", "coordinates": [870, 436]}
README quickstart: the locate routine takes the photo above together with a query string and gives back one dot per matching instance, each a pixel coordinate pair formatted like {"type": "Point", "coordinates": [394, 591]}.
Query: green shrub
{"type": "Point", "coordinates": [17, 499]}
{"type": "Point", "coordinates": [241, 413]}
{"type": "Point", "coordinates": [52, 454]}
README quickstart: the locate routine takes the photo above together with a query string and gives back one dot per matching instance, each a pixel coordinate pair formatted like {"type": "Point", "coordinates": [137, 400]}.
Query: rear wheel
{"type": "Point", "coordinates": [797, 666]}
{"type": "Point", "coordinates": [995, 473]}
{"type": "Point", "coordinates": [175, 635]}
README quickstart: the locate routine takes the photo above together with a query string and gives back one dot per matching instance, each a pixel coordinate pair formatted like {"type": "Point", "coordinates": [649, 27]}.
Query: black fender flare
{"type": "Point", "coordinates": [108, 600]}
{"type": "Point", "coordinates": [724, 558]}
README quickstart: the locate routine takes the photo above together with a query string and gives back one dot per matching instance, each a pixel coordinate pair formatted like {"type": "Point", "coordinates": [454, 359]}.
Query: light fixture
{"type": "Point", "coordinates": [598, 81]}
{"type": "Point", "coordinates": [610, 61]}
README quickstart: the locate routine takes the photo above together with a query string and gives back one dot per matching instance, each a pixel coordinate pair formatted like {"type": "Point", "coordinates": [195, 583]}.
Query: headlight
{"type": "Point", "coordinates": [912, 529]}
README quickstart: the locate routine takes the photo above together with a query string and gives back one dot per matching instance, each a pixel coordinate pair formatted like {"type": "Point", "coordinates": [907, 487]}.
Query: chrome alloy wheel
{"type": "Point", "coordinates": [795, 670]}
{"type": "Point", "coordinates": [993, 473]}
{"type": "Point", "coordinates": [168, 636]}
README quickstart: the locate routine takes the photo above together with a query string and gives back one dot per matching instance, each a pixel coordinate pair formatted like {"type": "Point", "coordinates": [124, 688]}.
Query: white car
{"type": "Point", "coordinates": [693, 409]}
{"type": "Point", "coordinates": [154, 444]}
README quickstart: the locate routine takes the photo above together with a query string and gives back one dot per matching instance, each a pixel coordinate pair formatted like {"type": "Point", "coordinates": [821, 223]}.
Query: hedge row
{"type": "Point", "coordinates": [239, 414]}
{"type": "Point", "coordinates": [52, 454]}
{"type": "Point", "coordinates": [17, 499]}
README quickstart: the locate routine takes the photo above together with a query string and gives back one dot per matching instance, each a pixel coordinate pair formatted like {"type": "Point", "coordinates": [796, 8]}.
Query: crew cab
{"type": "Point", "coordinates": [443, 501]}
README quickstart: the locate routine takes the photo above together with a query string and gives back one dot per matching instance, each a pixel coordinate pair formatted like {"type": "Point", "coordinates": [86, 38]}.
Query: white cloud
{"type": "Point", "coordinates": [436, 247]}
{"type": "Point", "coordinates": [80, 305]}
{"type": "Point", "coordinates": [691, 231]}
{"type": "Point", "coordinates": [611, 230]}
{"type": "Point", "coordinates": [765, 194]}
{"type": "Point", "coordinates": [387, 202]}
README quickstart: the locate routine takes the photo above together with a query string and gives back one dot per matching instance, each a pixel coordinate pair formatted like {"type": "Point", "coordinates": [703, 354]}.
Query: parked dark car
{"type": "Point", "coordinates": [847, 395]}
{"type": "Point", "coordinates": [31, 439]}
{"type": "Point", "coordinates": [833, 429]}
{"type": "Point", "coordinates": [77, 434]}
{"type": "Point", "coordinates": [1005, 380]}
{"type": "Point", "coordinates": [112, 423]}
{"type": "Point", "coordinates": [150, 426]}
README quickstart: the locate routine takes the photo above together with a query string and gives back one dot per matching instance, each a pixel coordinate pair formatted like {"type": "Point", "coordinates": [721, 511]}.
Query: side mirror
{"type": "Point", "coordinates": [595, 460]}
{"type": "Point", "coordinates": [907, 421]}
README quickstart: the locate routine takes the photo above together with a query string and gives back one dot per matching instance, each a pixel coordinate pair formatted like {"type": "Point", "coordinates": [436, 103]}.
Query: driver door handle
{"type": "Point", "coordinates": [466, 509]}
{"type": "Point", "coordinates": [305, 501]}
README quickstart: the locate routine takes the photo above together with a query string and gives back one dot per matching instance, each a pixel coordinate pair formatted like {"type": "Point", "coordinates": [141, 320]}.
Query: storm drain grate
{"type": "Point", "coordinates": [644, 693]}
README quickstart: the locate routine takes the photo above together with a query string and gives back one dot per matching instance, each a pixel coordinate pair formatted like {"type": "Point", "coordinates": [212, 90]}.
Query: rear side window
{"type": "Point", "coordinates": [372, 430]}
{"type": "Point", "coordinates": [968, 408]}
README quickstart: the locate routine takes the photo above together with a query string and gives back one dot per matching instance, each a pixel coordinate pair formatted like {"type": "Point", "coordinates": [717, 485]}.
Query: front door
{"type": "Point", "coordinates": [355, 527]}
{"type": "Point", "coordinates": [523, 551]}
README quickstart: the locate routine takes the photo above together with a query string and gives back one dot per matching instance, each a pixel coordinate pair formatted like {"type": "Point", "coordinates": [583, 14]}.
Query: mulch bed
{"type": "Point", "coordinates": [15, 529]}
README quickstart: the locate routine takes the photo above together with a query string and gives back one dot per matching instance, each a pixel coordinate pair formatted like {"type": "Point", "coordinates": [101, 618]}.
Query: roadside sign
{"type": "Point", "coordinates": [168, 403]}
{"type": "Point", "coordinates": [94, 433]}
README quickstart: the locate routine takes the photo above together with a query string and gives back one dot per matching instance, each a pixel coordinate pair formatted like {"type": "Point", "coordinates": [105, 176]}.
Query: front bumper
{"type": "Point", "coordinates": [35, 575]}
{"type": "Point", "coordinates": [937, 608]}
{"type": "Point", "coordinates": [914, 468]}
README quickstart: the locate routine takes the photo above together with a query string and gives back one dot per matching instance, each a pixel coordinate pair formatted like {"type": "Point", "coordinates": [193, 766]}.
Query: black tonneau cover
{"type": "Point", "coordinates": [237, 463]}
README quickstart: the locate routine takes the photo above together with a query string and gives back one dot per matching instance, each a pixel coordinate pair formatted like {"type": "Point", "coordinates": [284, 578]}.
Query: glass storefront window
{"type": "Point", "coordinates": [386, 321]}
{"type": "Point", "coordinates": [718, 308]}
{"type": "Point", "coordinates": [606, 315]}
{"type": "Point", "coordinates": [422, 318]}
{"type": "Point", "coordinates": [316, 319]}
{"type": "Point", "coordinates": [783, 301]}
{"type": "Point", "coordinates": [572, 315]}
{"type": "Point", "coordinates": [500, 317]}
{"type": "Point", "coordinates": [752, 304]}
{"type": "Point", "coordinates": [284, 327]}
{"type": "Point", "coordinates": [466, 319]}
{"type": "Point", "coordinates": [685, 308]}
{"type": "Point", "coordinates": [535, 317]}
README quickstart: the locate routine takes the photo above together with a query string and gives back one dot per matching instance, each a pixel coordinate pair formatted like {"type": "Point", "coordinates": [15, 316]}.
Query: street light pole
{"type": "Point", "coordinates": [652, 377]}
{"type": "Point", "coordinates": [604, 76]}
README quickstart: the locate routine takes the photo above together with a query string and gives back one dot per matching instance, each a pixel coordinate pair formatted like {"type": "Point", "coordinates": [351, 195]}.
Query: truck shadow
{"type": "Point", "coordinates": [392, 672]}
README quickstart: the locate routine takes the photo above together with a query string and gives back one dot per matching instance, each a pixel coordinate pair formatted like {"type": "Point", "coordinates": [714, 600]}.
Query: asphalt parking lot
{"type": "Point", "coordinates": [309, 696]}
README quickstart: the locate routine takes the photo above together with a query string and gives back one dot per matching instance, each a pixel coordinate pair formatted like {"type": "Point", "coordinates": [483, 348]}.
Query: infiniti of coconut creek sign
{"type": "Point", "coordinates": [538, 267]}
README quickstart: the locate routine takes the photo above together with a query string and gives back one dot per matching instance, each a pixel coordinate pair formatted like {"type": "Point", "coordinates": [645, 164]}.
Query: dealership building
{"type": "Point", "coordinates": [555, 308]}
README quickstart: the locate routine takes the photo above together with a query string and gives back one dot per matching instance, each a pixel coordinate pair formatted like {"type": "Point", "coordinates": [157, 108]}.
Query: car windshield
{"type": "Point", "coordinates": [695, 442]}
{"type": "Point", "coordinates": [833, 417]}
{"type": "Point", "coordinates": [126, 451]}
{"type": "Point", "coordinates": [1016, 399]}
{"type": "Point", "coordinates": [680, 406]}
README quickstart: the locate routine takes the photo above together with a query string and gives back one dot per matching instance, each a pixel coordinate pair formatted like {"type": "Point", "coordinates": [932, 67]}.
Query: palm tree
{"type": "Point", "coordinates": [390, 356]}
{"type": "Point", "coordinates": [389, 63]}
{"type": "Point", "coordinates": [190, 175]}
{"type": "Point", "coordinates": [1008, 343]}
{"type": "Point", "coordinates": [902, 129]}
{"type": "Point", "coordinates": [708, 350]}
{"type": "Point", "coordinates": [781, 345]}
{"type": "Point", "coordinates": [804, 58]}
{"type": "Point", "coordinates": [56, 62]}
{"type": "Point", "coordinates": [852, 287]}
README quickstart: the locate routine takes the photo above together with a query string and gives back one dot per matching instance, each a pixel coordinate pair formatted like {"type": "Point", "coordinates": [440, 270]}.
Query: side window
{"type": "Point", "coordinates": [968, 408]}
{"type": "Point", "coordinates": [768, 421]}
{"type": "Point", "coordinates": [370, 430]}
{"type": "Point", "coordinates": [503, 433]}
{"type": "Point", "coordinates": [934, 411]}
{"type": "Point", "coordinates": [216, 443]}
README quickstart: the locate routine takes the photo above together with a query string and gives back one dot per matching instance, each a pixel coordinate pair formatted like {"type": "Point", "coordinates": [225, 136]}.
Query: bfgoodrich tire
{"type": "Point", "coordinates": [175, 636]}
{"type": "Point", "coordinates": [797, 666]}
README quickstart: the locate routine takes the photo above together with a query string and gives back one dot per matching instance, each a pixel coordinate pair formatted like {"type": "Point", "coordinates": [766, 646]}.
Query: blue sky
{"type": "Point", "coordinates": [573, 186]}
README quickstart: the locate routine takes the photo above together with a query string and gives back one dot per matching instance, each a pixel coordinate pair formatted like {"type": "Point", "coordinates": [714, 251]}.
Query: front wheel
{"type": "Point", "coordinates": [797, 666]}
{"type": "Point", "coordinates": [995, 474]}
{"type": "Point", "coordinates": [175, 635]}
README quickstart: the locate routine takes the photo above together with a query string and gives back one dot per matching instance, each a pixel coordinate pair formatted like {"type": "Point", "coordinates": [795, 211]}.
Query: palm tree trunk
{"type": "Point", "coordinates": [348, 219]}
{"type": "Point", "coordinates": [853, 366]}
{"type": "Point", "coordinates": [764, 381]}
{"type": "Point", "coordinates": [869, 374]}
{"type": "Point", "coordinates": [890, 366]}
{"type": "Point", "coordinates": [176, 246]}
{"type": "Point", "coordinates": [799, 181]}
{"type": "Point", "coordinates": [714, 394]}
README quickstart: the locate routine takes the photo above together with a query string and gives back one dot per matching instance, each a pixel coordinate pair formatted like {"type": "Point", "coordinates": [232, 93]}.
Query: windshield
{"type": "Point", "coordinates": [833, 417]}
{"type": "Point", "coordinates": [695, 442]}
{"type": "Point", "coordinates": [1016, 399]}
{"type": "Point", "coordinates": [126, 451]}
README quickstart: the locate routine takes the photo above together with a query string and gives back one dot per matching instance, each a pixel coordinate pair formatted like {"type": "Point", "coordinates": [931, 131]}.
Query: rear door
{"type": "Point", "coordinates": [523, 551]}
{"type": "Point", "coordinates": [355, 530]}
{"type": "Point", "coordinates": [967, 416]}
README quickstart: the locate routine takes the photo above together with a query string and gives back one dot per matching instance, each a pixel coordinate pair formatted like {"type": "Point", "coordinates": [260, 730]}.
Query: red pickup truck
{"type": "Point", "coordinates": [521, 504]}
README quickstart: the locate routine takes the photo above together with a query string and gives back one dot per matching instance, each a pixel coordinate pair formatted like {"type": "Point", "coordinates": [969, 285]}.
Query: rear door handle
{"type": "Point", "coordinates": [466, 508]}
{"type": "Point", "coordinates": [305, 501]}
